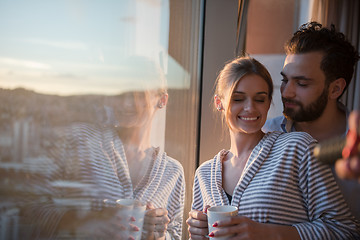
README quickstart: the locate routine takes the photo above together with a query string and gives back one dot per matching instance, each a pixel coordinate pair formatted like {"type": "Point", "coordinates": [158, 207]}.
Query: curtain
{"type": "Point", "coordinates": [241, 27]}
{"type": "Point", "coordinates": [344, 14]}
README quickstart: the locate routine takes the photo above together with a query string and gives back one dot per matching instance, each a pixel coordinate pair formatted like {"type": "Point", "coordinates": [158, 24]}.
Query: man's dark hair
{"type": "Point", "coordinates": [340, 56]}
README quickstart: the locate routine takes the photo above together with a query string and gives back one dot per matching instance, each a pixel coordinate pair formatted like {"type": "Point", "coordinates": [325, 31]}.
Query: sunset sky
{"type": "Point", "coordinates": [82, 47]}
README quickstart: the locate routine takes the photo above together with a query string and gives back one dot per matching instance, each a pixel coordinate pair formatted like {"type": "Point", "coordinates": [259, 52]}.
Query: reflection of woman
{"type": "Point", "coordinates": [281, 191]}
{"type": "Point", "coordinates": [116, 161]}
{"type": "Point", "coordinates": [154, 176]}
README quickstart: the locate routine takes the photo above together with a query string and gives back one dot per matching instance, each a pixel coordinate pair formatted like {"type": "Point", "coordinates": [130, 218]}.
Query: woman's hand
{"type": "Point", "coordinates": [240, 227]}
{"type": "Point", "coordinates": [156, 222]}
{"type": "Point", "coordinates": [198, 224]}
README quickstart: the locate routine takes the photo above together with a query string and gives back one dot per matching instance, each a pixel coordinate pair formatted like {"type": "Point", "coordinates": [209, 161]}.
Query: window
{"type": "Point", "coordinates": [62, 63]}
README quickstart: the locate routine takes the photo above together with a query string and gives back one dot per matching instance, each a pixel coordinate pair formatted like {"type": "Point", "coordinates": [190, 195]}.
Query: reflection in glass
{"type": "Point", "coordinates": [84, 94]}
{"type": "Point", "coordinates": [68, 159]}
{"type": "Point", "coordinates": [84, 156]}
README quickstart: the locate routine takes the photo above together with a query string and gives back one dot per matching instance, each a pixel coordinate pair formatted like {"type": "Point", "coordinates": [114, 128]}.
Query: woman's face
{"type": "Point", "coordinates": [132, 109]}
{"type": "Point", "coordinates": [248, 105]}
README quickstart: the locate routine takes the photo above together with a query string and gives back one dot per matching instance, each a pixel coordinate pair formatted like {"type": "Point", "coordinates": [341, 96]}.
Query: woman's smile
{"type": "Point", "coordinates": [249, 118]}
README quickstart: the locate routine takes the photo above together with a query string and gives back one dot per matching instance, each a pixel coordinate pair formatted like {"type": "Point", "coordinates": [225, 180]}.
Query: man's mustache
{"type": "Point", "coordinates": [285, 100]}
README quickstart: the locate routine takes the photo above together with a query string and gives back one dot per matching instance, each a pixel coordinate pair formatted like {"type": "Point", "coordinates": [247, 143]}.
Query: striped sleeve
{"type": "Point", "coordinates": [202, 186]}
{"type": "Point", "coordinates": [176, 200]}
{"type": "Point", "coordinates": [197, 201]}
{"type": "Point", "coordinates": [329, 216]}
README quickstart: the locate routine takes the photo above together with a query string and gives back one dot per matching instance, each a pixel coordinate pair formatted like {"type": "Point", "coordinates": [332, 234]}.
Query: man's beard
{"type": "Point", "coordinates": [308, 113]}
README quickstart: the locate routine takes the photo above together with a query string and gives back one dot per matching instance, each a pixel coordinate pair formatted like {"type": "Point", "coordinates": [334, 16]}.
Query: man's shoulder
{"type": "Point", "coordinates": [296, 137]}
{"type": "Point", "coordinates": [274, 124]}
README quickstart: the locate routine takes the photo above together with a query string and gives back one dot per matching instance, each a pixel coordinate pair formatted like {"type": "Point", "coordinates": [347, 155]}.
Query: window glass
{"type": "Point", "coordinates": [99, 103]}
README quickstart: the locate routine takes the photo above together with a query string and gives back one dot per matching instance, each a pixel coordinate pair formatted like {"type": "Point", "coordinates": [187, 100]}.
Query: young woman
{"type": "Point", "coordinates": [281, 191]}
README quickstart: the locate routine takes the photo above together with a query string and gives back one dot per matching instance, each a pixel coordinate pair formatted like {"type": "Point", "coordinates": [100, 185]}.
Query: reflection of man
{"type": "Point", "coordinates": [318, 68]}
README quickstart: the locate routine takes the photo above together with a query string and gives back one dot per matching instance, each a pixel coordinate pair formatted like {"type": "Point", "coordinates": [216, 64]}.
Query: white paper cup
{"type": "Point", "coordinates": [218, 213]}
{"type": "Point", "coordinates": [136, 209]}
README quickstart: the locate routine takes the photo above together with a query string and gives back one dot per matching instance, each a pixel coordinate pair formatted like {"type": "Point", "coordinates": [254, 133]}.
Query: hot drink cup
{"type": "Point", "coordinates": [218, 213]}
{"type": "Point", "coordinates": [133, 212]}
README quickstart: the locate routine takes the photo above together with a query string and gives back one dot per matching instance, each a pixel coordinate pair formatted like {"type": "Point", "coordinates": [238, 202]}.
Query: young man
{"type": "Point", "coordinates": [318, 68]}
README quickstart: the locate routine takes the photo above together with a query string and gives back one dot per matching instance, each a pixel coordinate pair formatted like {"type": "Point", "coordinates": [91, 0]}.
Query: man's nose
{"type": "Point", "coordinates": [288, 90]}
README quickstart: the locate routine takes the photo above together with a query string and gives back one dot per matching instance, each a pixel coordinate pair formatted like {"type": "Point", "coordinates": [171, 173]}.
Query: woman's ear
{"type": "Point", "coordinates": [336, 88]}
{"type": "Point", "coordinates": [218, 103]}
{"type": "Point", "coordinates": [163, 100]}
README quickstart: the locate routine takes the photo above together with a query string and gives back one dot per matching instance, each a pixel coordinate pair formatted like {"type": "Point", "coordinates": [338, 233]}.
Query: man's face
{"type": "Point", "coordinates": [303, 89]}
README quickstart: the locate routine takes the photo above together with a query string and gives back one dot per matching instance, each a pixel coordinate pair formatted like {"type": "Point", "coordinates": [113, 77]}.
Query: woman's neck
{"type": "Point", "coordinates": [139, 163]}
{"type": "Point", "coordinates": [138, 152]}
{"type": "Point", "coordinates": [134, 140]}
{"type": "Point", "coordinates": [243, 143]}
